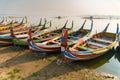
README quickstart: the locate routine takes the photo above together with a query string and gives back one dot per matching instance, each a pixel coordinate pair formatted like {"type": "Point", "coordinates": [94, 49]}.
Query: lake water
{"type": "Point", "coordinates": [110, 62]}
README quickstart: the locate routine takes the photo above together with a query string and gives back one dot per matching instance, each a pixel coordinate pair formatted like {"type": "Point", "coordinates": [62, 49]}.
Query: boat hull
{"type": "Point", "coordinates": [90, 48]}
{"type": "Point", "coordinates": [5, 40]}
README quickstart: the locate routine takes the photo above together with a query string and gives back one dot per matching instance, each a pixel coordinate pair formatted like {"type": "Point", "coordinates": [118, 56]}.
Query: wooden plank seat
{"type": "Point", "coordinates": [85, 48]}
{"type": "Point", "coordinates": [96, 44]}
{"type": "Point", "coordinates": [53, 33]}
{"type": "Point", "coordinates": [45, 39]}
{"type": "Point", "coordinates": [102, 40]}
{"type": "Point", "coordinates": [73, 37]}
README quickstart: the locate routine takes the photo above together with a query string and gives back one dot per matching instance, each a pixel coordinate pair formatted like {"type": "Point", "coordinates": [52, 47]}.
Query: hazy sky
{"type": "Point", "coordinates": [60, 7]}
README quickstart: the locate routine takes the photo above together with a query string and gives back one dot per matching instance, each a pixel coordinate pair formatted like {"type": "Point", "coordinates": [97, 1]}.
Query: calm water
{"type": "Point", "coordinates": [110, 62]}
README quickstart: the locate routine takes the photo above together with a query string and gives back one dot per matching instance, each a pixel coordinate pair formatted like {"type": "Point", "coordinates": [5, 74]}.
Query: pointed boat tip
{"type": "Point", "coordinates": [64, 37]}
{"type": "Point", "coordinates": [29, 33]}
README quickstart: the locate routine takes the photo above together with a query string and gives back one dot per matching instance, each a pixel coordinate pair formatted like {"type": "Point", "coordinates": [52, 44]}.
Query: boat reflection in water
{"type": "Point", "coordinates": [96, 62]}
{"type": "Point", "coordinates": [117, 53]}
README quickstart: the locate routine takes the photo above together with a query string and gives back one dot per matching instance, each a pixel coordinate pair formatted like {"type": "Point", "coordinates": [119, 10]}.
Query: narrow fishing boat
{"type": "Point", "coordinates": [74, 36]}
{"type": "Point", "coordinates": [20, 38]}
{"type": "Point", "coordinates": [5, 22]}
{"type": "Point", "coordinates": [45, 37]}
{"type": "Point", "coordinates": [86, 49]}
{"type": "Point", "coordinates": [54, 43]}
{"type": "Point", "coordinates": [17, 27]}
{"type": "Point", "coordinates": [8, 39]}
{"type": "Point", "coordinates": [5, 25]}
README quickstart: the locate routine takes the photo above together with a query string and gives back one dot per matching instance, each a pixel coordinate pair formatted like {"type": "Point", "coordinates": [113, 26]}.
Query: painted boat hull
{"type": "Point", "coordinates": [5, 40]}
{"type": "Point", "coordinates": [46, 47]}
{"type": "Point", "coordinates": [5, 43]}
{"type": "Point", "coordinates": [17, 28]}
{"type": "Point", "coordinates": [85, 53]}
{"type": "Point", "coordinates": [20, 38]}
{"type": "Point", "coordinates": [68, 55]}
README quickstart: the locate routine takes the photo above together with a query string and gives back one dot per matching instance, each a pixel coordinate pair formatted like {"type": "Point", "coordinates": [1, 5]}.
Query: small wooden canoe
{"type": "Point", "coordinates": [54, 42]}
{"type": "Point", "coordinates": [16, 26]}
{"type": "Point", "coordinates": [86, 49]}
{"type": "Point", "coordinates": [47, 37]}
{"type": "Point", "coordinates": [5, 22]}
{"type": "Point", "coordinates": [7, 39]}
{"type": "Point", "coordinates": [20, 38]}
{"type": "Point", "coordinates": [6, 26]}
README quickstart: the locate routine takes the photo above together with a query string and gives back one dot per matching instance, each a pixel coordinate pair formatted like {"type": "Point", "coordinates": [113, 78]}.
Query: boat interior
{"type": "Point", "coordinates": [97, 41]}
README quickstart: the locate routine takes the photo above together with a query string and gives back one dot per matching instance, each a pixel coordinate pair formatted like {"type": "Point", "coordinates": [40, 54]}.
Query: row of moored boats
{"type": "Point", "coordinates": [73, 44]}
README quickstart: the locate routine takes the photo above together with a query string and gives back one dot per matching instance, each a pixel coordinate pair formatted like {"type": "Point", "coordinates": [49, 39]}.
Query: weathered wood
{"type": "Point", "coordinates": [102, 40]}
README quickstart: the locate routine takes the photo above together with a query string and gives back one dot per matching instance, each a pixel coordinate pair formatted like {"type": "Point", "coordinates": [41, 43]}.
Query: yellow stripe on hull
{"type": "Point", "coordinates": [6, 27]}
{"type": "Point", "coordinates": [110, 34]}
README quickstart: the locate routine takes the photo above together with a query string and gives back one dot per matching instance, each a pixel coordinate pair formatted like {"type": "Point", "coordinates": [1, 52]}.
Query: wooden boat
{"type": "Point", "coordinates": [21, 37]}
{"type": "Point", "coordinates": [96, 62]}
{"type": "Point", "coordinates": [6, 39]}
{"type": "Point", "coordinates": [17, 27]}
{"type": "Point", "coordinates": [4, 22]}
{"type": "Point", "coordinates": [74, 36]}
{"type": "Point", "coordinates": [86, 49]}
{"type": "Point", "coordinates": [52, 34]}
{"type": "Point", "coordinates": [54, 44]}
{"type": "Point", "coordinates": [5, 25]}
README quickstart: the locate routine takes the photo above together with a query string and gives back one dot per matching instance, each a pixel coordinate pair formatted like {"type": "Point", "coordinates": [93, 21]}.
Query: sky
{"type": "Point", "coordinates": [60, 7]}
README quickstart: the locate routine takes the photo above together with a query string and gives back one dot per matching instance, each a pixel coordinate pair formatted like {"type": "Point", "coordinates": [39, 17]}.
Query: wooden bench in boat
{"type": "Point", "coordinates": [85, 48]}
{"type": "Point", "coordinates": [102, 40]}
{"type": "Point", "coordinates": [96, 44]}
{"type": "Point", "coordinates": [73, 37]}
{"type": "Point", "coordinates": [45, 39]}
{"type": "Point", "coordinates": [53, 33]}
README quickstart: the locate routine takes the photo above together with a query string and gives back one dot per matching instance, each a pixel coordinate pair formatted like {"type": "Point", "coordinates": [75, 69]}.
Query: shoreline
{"type": "Point", "coordinates": [21, 64]}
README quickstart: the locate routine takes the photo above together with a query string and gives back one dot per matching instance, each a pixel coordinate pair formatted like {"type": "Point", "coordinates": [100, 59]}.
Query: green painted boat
{"type": "Point", "coordinates": [21, 38]}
